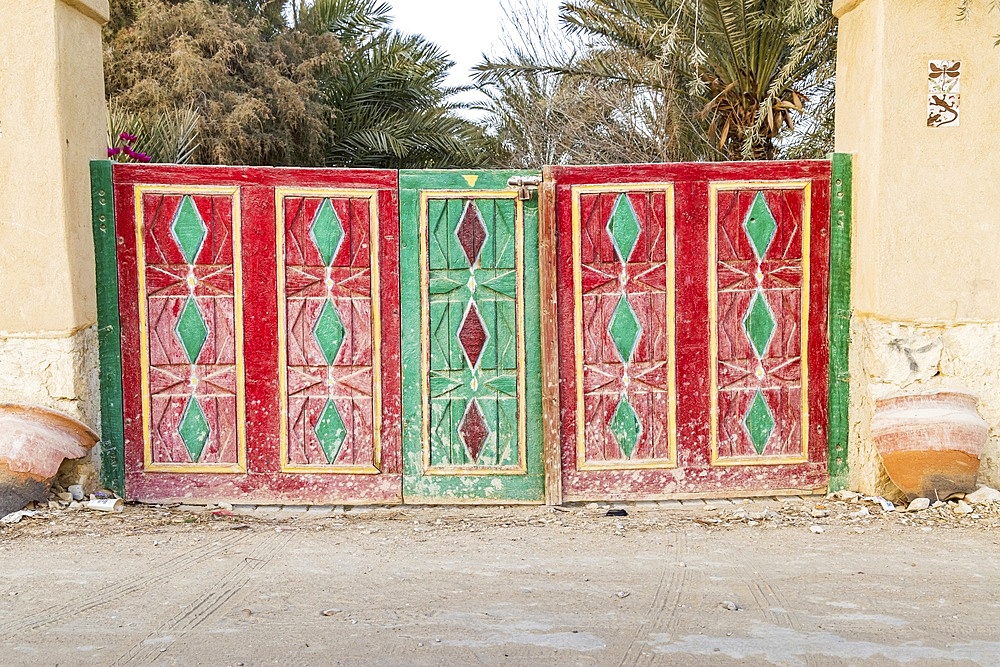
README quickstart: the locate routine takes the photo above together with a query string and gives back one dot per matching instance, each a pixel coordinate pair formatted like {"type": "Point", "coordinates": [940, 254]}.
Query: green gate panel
{"type": "Point", "coordinates": [108, 326]}
{"type": "Point", "coordinates": [472, 418]}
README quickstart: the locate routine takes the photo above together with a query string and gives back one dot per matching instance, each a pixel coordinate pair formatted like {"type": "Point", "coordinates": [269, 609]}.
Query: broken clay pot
{"type": "Point", "coordinates": [930, 444]}
{"type": "Point", "coordinates": [33, 443]}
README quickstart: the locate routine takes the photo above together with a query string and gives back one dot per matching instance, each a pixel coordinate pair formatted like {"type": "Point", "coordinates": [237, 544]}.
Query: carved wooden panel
{"type": "Point", "coordinates": [191, 347]}
{"type": "Point", "coordinates": [760, 377]}
{"type": "Point", "coordinates": [624, 327]}
{"type": "Point", "coordinates": [329, 358]}
{"type": "Point", "coordinates": [471, 354]}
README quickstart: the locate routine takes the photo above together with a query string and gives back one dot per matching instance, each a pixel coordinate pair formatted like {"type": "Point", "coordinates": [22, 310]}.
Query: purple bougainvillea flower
{"type": "Point", "coordinates": [126, 136]}
{"type": "Point", "coordinates": [142, 157]}
{"type": "Point", "coordinates": [114, 151]}
{"type": "Point", "coordinates": [131, 153]}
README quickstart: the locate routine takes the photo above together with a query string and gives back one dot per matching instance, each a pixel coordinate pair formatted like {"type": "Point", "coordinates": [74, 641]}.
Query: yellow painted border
{"type": "Point", "coordinates": [713, 307]}
{"type": "Point", "coordinates": [241, 454]}
{"type": "Point", "coordinates": [581, 449]}
{"type": "Point", "coordinates": [279, 204]}
{"type": "Point", "coordinates": [425, 352]}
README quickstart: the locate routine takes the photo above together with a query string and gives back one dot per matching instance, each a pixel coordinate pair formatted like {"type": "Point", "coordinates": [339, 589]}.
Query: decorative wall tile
{"type": "Point", "coordinates": [943, 92]}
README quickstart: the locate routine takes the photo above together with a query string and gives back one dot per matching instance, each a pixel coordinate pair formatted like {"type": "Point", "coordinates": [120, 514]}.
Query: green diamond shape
{"type": "Point", "coordinates": [189, 229]}
{"type": "Point", "coordinates": [329, 332]}
{"type": "Point", "coordinates": [760, 226]}
{"type": "Point", "coordinates": [758, 323]}
{"type": "Point", "coordinates": [330, 431]}
{"type": "Point", "coordinates": [625, 427]}
{"type": "Point", "coordinates": [623, 227]}
{"type": "Point", "coordinates": [191, 329]}
{"type": "Point", "coordinates": [759, 422]}
{"type": "Point", "coordinates": [194, 429]}
{"type": "Point", "coordinates": [327, 232]}
{"type": "Point", "coordinates": [624, 329]}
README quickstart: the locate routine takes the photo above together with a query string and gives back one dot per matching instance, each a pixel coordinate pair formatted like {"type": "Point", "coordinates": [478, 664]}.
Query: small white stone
{"type": "Point", "coordinates": [819, 513]}
{"type": "Point", "coordinates": [918, 504]}
{"type": "Point", "coordinates": [816, 529]}
{"type": "Point", "coordinates": [962, 508]}
{"type": "Point", "coordinates": [984, 494]}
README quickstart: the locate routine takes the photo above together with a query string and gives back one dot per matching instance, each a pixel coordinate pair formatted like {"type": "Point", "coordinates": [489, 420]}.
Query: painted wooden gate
{"type": "Point", "coordinates": [471, 361]}
{"type": "Point", "coordinates": [692, 328]}
{"type": "Point", "coordinates": [669, 322]}
{"type": "Point", "coordinates": [260, 346]}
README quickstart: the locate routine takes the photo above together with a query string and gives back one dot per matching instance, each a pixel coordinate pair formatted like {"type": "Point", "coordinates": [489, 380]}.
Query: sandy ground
{"type": "Point", "coordinates": [746, 584]}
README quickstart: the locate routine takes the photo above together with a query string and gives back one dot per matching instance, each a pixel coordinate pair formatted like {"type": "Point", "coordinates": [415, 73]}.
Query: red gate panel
{"type": "Point", "coordinates": [623, 259]}
{"type": "Point", "coordinates": [260, 369]}
{"type": "Point", "coordinates": [758, 254]}
{"type": "Point", "coordinates": [692, 324]}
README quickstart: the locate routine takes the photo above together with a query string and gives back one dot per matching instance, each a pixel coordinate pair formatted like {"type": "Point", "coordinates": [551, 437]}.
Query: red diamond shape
{"type": "Point", "coordinates": [472, 334]}
{"type": "Point", "coordinates": [473, 429]}
{"type": "Point", "coordinates": [471, 232]}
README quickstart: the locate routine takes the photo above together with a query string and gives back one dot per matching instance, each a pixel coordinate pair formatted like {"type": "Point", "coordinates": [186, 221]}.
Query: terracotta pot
{"type": "Point", "coordinates": [33, 442]}
{"type": "Point", "coordinates": [930, 443]}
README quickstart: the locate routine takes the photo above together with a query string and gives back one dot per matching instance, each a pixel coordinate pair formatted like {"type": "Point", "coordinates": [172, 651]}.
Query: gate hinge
{"type": "Point", "coordinates": [524, 185]}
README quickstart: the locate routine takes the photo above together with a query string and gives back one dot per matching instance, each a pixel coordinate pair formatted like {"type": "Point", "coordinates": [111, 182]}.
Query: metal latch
{"type": "Point", "coordinates": [524, 185]}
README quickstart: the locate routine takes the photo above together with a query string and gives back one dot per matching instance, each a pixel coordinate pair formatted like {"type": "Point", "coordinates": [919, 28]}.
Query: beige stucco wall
{"type": "Point", "coordinates": [926, 237]}
{"type": "Point", "coordinates": [52, 123]}
{"type": "Point", "coordinates": [927, 243]}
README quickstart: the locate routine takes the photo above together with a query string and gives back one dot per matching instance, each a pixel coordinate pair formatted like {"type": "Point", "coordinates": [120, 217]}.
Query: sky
{"type": "Point", "coordinates": [464, 28]}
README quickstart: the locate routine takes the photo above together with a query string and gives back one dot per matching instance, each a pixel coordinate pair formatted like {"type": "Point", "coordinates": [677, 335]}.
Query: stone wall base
{"type": "Point", "coordinates": [58, 370]}
{"type": "Point", "coordinates": [890, 357]}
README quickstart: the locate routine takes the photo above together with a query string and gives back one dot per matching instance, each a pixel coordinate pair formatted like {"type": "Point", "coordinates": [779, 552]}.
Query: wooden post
{"type": "Point", "coordinates": [549, 337]}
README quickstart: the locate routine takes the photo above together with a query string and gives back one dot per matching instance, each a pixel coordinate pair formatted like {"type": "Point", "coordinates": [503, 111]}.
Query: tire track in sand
{"type": "Point", "coordinates": [88, 601]}
{"type": "Point", "coordinates": [661, 617]}
{"type": "Point", "coordinates": [207, 604]}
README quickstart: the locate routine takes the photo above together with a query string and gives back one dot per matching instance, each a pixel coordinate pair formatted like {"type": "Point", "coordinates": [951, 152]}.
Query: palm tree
{"type": "Point", "coordinates": [534, 116]}
{"type": "Point", "coordinates": [732, 76]}
{"type": "Point", "coordinates": [391, 107]}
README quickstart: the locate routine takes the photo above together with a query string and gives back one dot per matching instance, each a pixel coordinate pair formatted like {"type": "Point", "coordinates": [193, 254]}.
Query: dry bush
{"type": "Point", "coordinates": [257, 93]}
